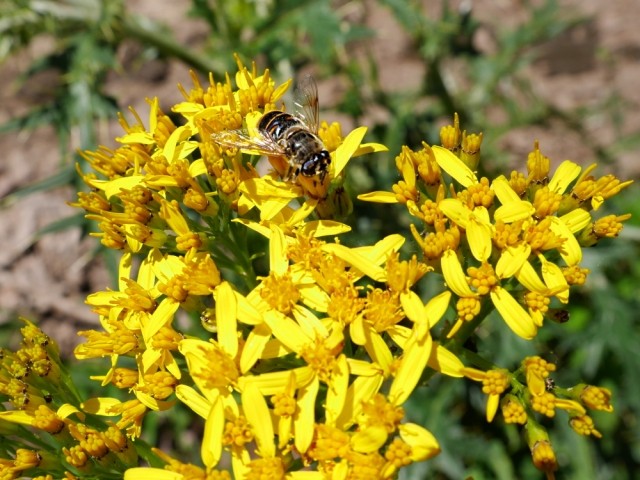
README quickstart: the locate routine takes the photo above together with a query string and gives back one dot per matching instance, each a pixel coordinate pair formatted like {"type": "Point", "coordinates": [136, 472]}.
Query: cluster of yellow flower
{"type": "Point", "coordinates": [304, 371]}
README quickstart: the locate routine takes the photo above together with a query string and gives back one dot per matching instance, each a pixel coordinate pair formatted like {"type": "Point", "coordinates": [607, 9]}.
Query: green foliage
{"type": "Point", "coordinates": [598, 344]}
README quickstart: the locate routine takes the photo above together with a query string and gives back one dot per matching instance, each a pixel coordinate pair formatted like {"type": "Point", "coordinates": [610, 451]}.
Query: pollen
{"type": "Point", "coordinates": [220, 370]}
{"type": "Point", "coordinates": [544, 404]}
{"type": "Point", "coordinates": [482, 278]}
{"type": "Point", "coordinates": [540, 237]}
{"type": "Point", "coordinates": [26, 459]}
{"type": "Point", "coordinates": [75, 456]}
{"type": "Point", "coordinates": [513, 411]}
{"type": "Point", "coordinates": [468, 308]}
{"type": "Point", "coordinates": [136, 298]}
{"type": "Point", "coordinates": [575, 275]}
{"type": "Point", "coordinates": [187, 241]}
{"type": "Point", "coordinates": [596, 398]}
{"type": "Point", "coordinates": [378, 411]}
{"type": "Point", "coordinates": [284, 405]}
{"type": "Point", "coordinates": [99, 344]}
{"type": "Point", "coordinates": [544, 458]}
{"type": "Point", "coordinates": [237, 433]}
{"type": "Point", "coordinates": [608, 186]}
{"type": "Point", "coordinates": [195, 199]}
{"type": "Point", "coordinates": [583, 425]}
{"type": "Point", "coordinates": [382, 309]}
{"type": "Point", "coordinates": [227, 182]}
{"type": "Point", "coordinates": [609, 226]}
{"type": "Point", "coordinates": [200, 275]}
{"type": "Point", "coordinates": [158, 385]}
{"type": "Point", "coordinates": [166, 339]}
{"type": "Point", "coordinates": [430, 212]}
{"type": "Point", "coordinates": [345, 305]}
{"type": "Point", "coordinates": [537, 302]}
{"type": "Point", "coordinates": [366, 467]}
{"type": "Point", "coordinates": [507, 234]}
{"type": "Point", "coordinates": [265, 468]}
{"type": "Point", "coordinates": [398, 453]}
{"type": "Point", "coordinates": [331, 135]}
{"type": "Point", "coordinates": [174, 288]}
{"type": "Point", "coordinates": [280, 292]}
{"type": "Point", "coordinates": [405, 192]}
{"type": "Point", "coordinates": [518, 183]}
{"type": "Point", "coordinates": [124, 377]}
{"type": "Point", "coordinates": [538, 166]}
{"type": "Point", "coordinates": [329, 443]}
{"type": "Point", "coordinates": [450, 135]}
{"type": "Point", "coordinates": [478, 194]}
{"type": "Point", "coordinates": [46, 419]}
{"type": "Point", "coordinates": [546, 202]}
{"type": "Point", "coordinates": [536, 371]}
{"type": "Point", "coordinates": [320, 358]}
{"type": "Point", "coordinates": [402, 275]}
{"type": "Point", "coordinates": [495, 382]}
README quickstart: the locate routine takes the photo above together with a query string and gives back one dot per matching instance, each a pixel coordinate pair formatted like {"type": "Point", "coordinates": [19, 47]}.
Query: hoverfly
{"type": "Point", "coordinates": [292, 136]}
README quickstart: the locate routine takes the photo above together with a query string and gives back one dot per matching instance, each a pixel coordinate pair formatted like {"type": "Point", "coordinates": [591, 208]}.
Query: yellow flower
{"type": "Point", "coordinates": [494, 383]}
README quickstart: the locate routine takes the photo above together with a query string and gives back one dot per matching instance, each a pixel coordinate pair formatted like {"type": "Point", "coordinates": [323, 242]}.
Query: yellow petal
{"type": "Point", "coordinates": [513, 314]}
{"type": "Point", "coordinates": [257, 413]}
{"type": "Point", "coordinates": [566, 173]}
{"type": "Point", "coordinates": [529, 278]}
{"type": "Point", "coordinates": [347, 148]}
{"type": "Point", "coordinates": [323, 228]}
{"type": "Point", "coordinates": [435, 308]}
{"type": "Point", "coordinates": [357, 261]}
{"type": "Point", "coordinates": [493, 402]}
{"type": "Point", "coordinates": [413, 362]}
{"type": "Point", "coordinates": [445, 361]}
{"type": "Point", "coordinates": [226, 318]}
{"type": "Point", "coordinates": [305, 416]}
{"type": "Point", "coordinates": [455, 167]}
{"type": "Point", "coordinates": [454, 275]}
{"type": "Point", "coordinates": [286, 330]}
{"type": "Point", "coordinates": [514, 211]}
{"type": "Point", "coordinates": [254, 346]}
{"type": "Point", "coordinates": [337, 391]}
{"type": "Point", "coordinates": [211, 447]}
{"type": "Point", "coordinates": [378, 350]}
{"type": "Point", "coordinates": [412, 306]}
{"type": "Point", "coordinates": [360, 391]}
{"type": "Point", "coordinates": [191, 398]}
{"type": "Point", "coordinates": [456, 211]}
{"type": "Point", "coordinates": [512, 259]}
{"type": "Point", "coordinates": [366, 148]}
{"type": "Point", "coordinates": [145, 473]}
{"type": "Point", "coordinates": [571, 251]}
{"type": "Point", "coordinates": [423, 444]}
{"type": "Point", "coordinates": [378, 197]}
{"type": "Point", "coordinates": [369, 439]}
{"type": "Point", "coordinates": [17, 416]}
{"type": "Point", "coordinates": [555, 280]}
{"type": "Point", "coordinates": [479, 234]}
{"type": "Point", "coordinates": [576, 220]}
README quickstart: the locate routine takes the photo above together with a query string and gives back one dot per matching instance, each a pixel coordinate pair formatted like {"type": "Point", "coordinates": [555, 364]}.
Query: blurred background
{"type": "Point", "coordinates": [564, 73]}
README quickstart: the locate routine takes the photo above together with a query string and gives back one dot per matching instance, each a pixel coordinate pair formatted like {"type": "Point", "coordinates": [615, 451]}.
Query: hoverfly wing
{"type": "Point", "coordinates": [306, 102]}
{"type": "Point", "coordinates": [242, 140]}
